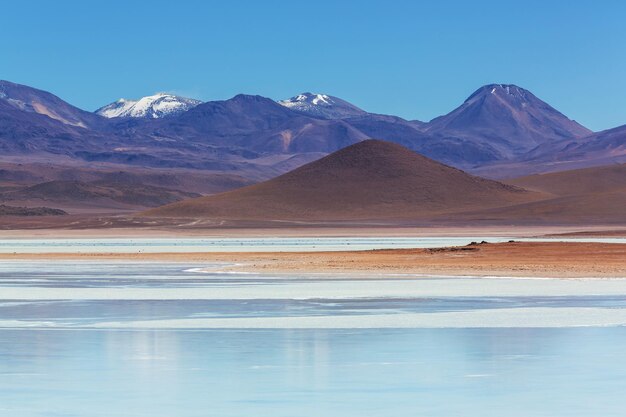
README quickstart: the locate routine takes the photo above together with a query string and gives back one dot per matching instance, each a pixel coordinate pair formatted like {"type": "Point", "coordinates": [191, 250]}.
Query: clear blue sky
{"type": "Point", "coordinates": [410, 58]}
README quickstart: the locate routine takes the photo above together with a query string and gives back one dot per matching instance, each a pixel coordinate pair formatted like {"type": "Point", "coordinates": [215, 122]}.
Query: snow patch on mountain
{"type": "Point", "coordinates": [306, 102]}
{"type": "Point", "coordinates": [322, 106]}
{"type": "Point", "coordinates": [151, 107]}
{"type": "Point", "coordinates": [503, 90]}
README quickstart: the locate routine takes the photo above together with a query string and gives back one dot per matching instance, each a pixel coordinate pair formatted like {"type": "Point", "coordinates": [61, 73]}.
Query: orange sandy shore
{"type": "Point", "coordinates": [517, 259]}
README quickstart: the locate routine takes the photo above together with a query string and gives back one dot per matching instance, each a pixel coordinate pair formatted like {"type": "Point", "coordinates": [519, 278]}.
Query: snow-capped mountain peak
{"type": "Point", "coordinates": [506, 92]}
{"type": "Point", "coordinates": [151, 107]}
{"type": "Point", "coordinates": [315, 99]}
{"type": "Point", "coordinates": [321, 106]}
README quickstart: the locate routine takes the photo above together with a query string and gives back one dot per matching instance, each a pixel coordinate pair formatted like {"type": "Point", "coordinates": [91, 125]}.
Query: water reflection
{"type": "Point", "coordinates": [440, 372]}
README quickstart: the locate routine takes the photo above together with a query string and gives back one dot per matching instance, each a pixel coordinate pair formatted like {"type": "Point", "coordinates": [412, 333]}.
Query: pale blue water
{"type": "Point", "coordinates": [159, 340]}
{"type": "Point", "coordinates": [129, 245]}
{"type": "Point", "coordinates": [284, 373]}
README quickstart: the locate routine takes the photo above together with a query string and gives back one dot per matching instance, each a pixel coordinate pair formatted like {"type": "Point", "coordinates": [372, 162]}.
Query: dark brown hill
{"type": "Point", "coordinates": [368, 180]}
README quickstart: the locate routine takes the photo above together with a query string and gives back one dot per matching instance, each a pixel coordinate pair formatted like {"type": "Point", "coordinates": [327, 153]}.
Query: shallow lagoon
{"type": "Point", "coordinates": [226, 244]}
{"type": "Point", "coordinates": [154, 245]}
{"type": "Point", "coordinates": [161, 339]}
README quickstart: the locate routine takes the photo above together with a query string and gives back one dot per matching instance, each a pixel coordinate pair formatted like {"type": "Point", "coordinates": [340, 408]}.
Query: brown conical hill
{"type": "Point", "coordinates": [369, 180]}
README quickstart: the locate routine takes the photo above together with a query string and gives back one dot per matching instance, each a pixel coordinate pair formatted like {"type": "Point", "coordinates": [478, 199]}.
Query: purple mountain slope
{"type": "Point", "coordinates": [32, 100]}
{"type": "Point", "coordinates": [29, 133]}
{"type": "Point", "coordinates": [601, 148]}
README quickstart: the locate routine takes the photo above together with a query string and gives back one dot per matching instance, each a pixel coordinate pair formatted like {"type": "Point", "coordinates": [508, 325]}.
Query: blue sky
{"type": "Point", "coordinates": [416, 59]}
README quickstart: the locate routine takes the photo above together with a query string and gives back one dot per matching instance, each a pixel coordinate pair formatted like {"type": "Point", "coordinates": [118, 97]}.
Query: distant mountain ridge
{"type": "Point", "coordinates": [497, 126]}
{"type": "Point", "coordinates": [259, 126]}
{"type": "Point", "coordinates": [601, 148]}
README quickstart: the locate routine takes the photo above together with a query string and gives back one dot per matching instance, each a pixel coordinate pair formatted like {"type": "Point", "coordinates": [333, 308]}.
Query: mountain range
{"type": "Point", "coordinates": [497, 125]}
{"type": "Point", "coordinates": [500, 131]}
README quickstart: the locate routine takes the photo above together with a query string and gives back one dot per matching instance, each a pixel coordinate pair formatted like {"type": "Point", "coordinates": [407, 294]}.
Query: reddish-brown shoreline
{"type": "Point", "coordinates": [517, 259]}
